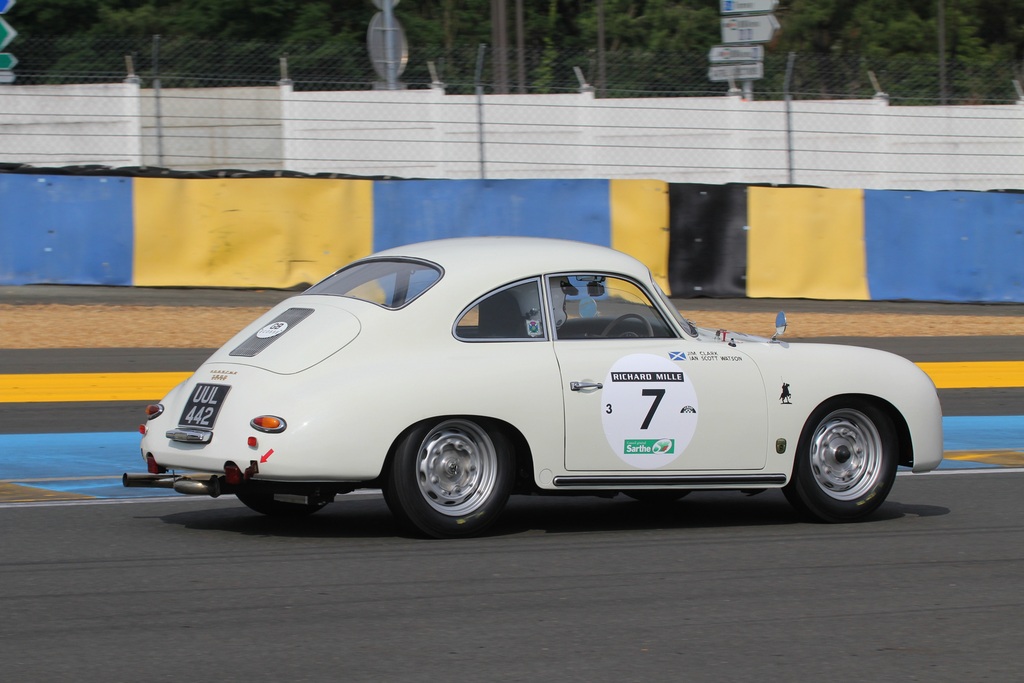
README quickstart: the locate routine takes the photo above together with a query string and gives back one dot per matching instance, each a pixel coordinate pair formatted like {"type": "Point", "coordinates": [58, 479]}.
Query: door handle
{"type": "Point", "coordinates": [581, 386]}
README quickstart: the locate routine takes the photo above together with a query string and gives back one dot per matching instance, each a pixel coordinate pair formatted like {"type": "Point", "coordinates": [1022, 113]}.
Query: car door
{"type": "Point", "coordinates": [639, 396]}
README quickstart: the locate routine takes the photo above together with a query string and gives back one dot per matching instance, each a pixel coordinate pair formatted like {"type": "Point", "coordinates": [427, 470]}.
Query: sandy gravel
{"type": "Point", "coordinates": [92, 326]}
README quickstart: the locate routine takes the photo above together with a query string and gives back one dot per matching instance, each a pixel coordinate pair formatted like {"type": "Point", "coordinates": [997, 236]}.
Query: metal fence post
{"type": "Point", "coordinates": [480, 105]}
{"type": "Point", "coordinates": [786, 86]}
{"type": "Point", "coordinates": [156, 101]}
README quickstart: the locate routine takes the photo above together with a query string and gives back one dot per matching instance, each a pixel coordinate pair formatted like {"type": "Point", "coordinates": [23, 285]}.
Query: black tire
{"type": "Point", "coordinates": [450, 479]}
{"type": "Point", "coordinates": [264, 503]}
{"type": "Point", "coordinates": [845, 463]}
{"type": "Point", "coordinates": [656, 496]}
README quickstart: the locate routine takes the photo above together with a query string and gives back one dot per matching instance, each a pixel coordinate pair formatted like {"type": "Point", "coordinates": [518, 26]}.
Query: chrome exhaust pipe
{"type": "Point", "coordinates": [192, 487]}
{"type": "Point", "coordinates": [180, 483]}
{"type": "Point", "coordinates": [151, 481]}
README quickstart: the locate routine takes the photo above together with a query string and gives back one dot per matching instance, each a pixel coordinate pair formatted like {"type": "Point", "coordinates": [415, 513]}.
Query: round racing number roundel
{"type": "Point", "coordinates": [272, 330]}
{"type": "Point", "coordinates": [648, 410]}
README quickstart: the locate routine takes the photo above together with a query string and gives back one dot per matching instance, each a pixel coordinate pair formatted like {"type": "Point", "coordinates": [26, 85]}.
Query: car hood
{"type": "Point", "coordinates": [707, 334]}
{"type": "Point", "coordinates": [295, 335]}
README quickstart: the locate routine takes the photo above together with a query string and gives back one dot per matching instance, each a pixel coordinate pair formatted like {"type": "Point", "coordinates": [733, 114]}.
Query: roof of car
{"type": "Point", "coordinates": [506, 258]}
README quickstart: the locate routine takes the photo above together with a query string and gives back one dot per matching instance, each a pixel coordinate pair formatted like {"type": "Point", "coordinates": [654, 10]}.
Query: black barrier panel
{"type": "Point", "coordinates": [707, 254]}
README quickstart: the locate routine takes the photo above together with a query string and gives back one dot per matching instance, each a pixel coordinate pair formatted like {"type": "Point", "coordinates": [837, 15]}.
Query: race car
{"type": "Point", "coordinates": [454, 373]}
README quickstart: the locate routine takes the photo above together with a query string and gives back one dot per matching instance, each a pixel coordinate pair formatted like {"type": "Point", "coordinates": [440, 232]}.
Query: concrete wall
{"type": "Point", "coordinates": [70, 125]}
{"type": "Point", "coordinates": [212, 128]}
{"type": "Point", "coordinates": [864, 144]}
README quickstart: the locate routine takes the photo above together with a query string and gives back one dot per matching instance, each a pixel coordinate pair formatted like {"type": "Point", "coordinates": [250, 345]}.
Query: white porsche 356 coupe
{"type": "Point", "coordinates": [451, 374]}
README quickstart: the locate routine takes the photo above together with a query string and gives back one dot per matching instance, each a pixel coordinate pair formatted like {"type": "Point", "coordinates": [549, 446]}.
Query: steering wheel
{"type": "Point", "coordinates": [649, 331]}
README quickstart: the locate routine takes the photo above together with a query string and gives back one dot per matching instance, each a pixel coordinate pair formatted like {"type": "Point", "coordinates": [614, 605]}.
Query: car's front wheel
{"type": "Point", "coordinates": [450, 478]}
{"type": "Point", "coordinates": [845, 462]}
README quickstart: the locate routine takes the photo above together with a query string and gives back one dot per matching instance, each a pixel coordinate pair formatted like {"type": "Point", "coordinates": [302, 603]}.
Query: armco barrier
{"type": "Point", "coordinates": [248, 232]}
{"type": "Point", "coordinates": [806, 242]}
{"type": "Point", "coordinates": [65, 230]}
{"type": "Point", "coordinates": [414, 211]}
{"type": "Point", "coordinates": [698, 240]}
{"type": "Point", "coordinates": [945, 246]}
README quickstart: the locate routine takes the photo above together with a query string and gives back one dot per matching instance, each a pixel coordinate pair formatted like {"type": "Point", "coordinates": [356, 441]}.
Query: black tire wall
{"type": "Point", "coordinates": [708, 241]}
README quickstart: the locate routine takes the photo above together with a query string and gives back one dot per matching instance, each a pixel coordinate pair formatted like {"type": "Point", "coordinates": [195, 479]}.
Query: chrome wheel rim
{"type": "Point", "coordinates": [846, 454]}
{"type": "Point", "coordinates": [457, 467]}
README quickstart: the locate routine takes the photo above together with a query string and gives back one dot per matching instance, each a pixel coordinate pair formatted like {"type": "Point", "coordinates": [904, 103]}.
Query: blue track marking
{"type": "Point", "coordinates": [91, 454]}
{"type": "Point", "coordinates": [87, 464]}
{"type": "Point", "coordinates": [983, 433]}
{"type": "Point", "coordinates": [948, 464]}
{"type": "Point", "coordinates": [90, 464]}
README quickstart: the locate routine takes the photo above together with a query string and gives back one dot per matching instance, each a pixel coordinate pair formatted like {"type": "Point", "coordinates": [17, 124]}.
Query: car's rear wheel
{"type": "Point", "coordinates": [450, 478]}
{"type": "Point", "coordinates": [267, 503]}
{"type": "Point", "coordinates": [845, 462]}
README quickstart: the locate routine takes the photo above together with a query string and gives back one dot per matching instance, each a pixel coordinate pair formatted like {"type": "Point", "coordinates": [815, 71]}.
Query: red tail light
{"type": "Point", "coordinates": [233, 474]}
{"type": "Point", "coordinates": [152, 466]}
{"type": "Point", "coordinates": [154, 411]}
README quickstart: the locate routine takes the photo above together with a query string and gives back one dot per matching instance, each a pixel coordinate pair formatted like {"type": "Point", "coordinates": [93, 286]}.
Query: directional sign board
{"type": "Point", "coordinates": [736, 72]}
{"type": "Point", "coordinates": [746, 6]}
{"type": "Point", "coordinates": [756, 28]}
{"type": "Point", "coordinates": [736, 53]}
{"type": "Point", "coordinates": [7, 33]}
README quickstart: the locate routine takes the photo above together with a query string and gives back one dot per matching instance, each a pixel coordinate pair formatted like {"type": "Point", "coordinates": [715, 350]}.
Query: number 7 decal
{"type": "Point", "coordinates": [645, 391]}
{"type": "Point", "coordinates": [658, 394]}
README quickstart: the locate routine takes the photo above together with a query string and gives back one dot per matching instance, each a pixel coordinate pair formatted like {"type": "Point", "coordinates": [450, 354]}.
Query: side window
{"type": "Point", "coordinates": [588, 306]}
{"type": "Point", "coordinates": [512, 312]}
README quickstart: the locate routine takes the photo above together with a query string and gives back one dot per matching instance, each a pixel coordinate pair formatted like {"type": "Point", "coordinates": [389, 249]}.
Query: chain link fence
{"type": "Point", "coordinates": [172, 105]}
{"type": "Point", "coordinates": [184, 62]}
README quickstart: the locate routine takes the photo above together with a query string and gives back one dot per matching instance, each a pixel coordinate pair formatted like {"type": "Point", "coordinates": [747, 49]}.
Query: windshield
{"type": "Point", "coordinates": [686, 324]}
{"type": "Point", "coordinates": [391, 283]}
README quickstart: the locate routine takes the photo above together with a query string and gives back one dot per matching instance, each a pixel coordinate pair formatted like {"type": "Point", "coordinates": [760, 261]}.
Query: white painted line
{"type": "Point", "coordinates": [156, 499]}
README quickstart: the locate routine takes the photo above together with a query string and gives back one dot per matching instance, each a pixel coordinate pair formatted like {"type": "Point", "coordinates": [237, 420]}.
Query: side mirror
{"type": "Point", "coordinates": [780, 325]}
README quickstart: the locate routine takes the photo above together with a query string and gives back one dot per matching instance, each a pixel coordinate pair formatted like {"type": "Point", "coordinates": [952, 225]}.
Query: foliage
{"type": "Point", "coordinates": [649, 45]}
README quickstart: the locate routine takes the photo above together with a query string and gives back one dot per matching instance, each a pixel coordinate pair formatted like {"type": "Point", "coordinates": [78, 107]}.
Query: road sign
{"type": "Point", "coordinates": [377, 36]}
{"type": "Point", "coordinates": [736, 72]}
{"type": "Point", "coordinates": [7, 77]}
{"type": "Point", "coordinates": [7, 34]}
{"type": "Point", "coordinates": [757, 28]}
{"type": "Point", "coordinates": [5, 6]}
{"type": "Point", "coordinates": [746, 6]}
{"type": "Point", "coordinates": [7, 61]}
{"type": "Point", "coordinates": [736, 53]}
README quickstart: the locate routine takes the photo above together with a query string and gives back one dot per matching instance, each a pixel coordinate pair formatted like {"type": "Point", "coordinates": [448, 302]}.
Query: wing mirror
{"type": "Point", "coordinates": [780, 325]}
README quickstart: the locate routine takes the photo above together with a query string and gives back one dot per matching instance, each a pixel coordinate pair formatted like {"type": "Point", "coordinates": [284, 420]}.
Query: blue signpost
{"type": "Point", "coordinates": [7, 34]}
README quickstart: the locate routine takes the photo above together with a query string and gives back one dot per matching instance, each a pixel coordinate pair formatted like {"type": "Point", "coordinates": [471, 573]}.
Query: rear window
{"type": "Point", "coordinates": [390, 283]}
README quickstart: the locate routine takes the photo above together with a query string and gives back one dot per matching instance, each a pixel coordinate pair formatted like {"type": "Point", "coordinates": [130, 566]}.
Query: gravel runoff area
{"type": "Point", "coordinates": [48, 316]}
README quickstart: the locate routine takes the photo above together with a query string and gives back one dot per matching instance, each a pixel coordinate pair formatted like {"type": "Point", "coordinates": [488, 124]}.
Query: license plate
{"type": "Point", "coordinates": [203, 405]}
